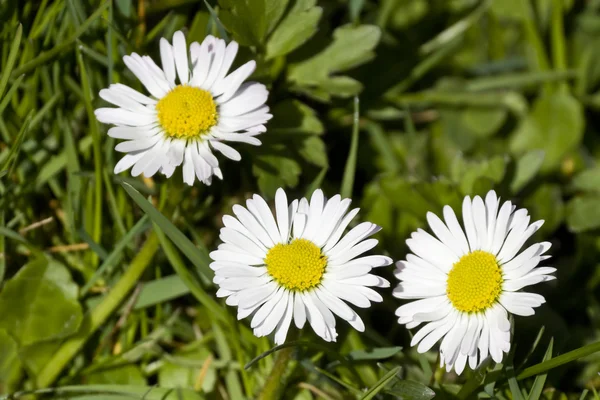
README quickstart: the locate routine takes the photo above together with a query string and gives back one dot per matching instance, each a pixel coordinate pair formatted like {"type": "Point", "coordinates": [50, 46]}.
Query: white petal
{"type": "Point", "coordinates": [230, 84]}
{"type": "Point", "coordinates": [281, 209]}
{"type": "Point", "coordinates": [167, 60]}
{"type": "Point", "coordinates": [299, 311]}
{"type": "Point", "coordinates": [491, 205]}
{"type": "Point", "coordinates": [180, 52]}
{"type": "Point", "coordinates": [127, 161]}
{"type": "Point", "coordinates": [283, 326]}
{"type": "Point", "coordinates": [226, 150]}
{"type": "Point", "coordinates": [467, 211]}
{"type": "Point", "coordinates": [501, 228]}
{"type": "Point", "coordinates": [455, 228]}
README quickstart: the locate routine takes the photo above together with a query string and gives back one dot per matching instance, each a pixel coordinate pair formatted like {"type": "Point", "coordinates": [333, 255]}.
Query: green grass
{"type": "Point", "coordinates": [456, 98]}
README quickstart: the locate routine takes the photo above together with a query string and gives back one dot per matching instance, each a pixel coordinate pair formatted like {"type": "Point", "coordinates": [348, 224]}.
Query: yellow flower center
{"type": "Point", "coordinates": [187, 112]}
{"type": "Point", "coordinates": [474, 282]}
{"type": "Point", "coordinates": [298, 266]}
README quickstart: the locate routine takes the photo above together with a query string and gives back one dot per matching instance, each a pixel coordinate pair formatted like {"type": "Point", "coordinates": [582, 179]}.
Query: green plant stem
{"type": "Point", "coordinates": [275, 383]}
{"type": "Point", "coordinates": [100, 314]}
{"type": "Point", "coordinates": [560, 360]}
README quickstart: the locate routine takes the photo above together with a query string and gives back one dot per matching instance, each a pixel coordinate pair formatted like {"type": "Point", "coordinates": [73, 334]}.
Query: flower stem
{"type": "Point", "coordinates": [275, 382]}
{"type": "Point", "coordinates": [100, 314]}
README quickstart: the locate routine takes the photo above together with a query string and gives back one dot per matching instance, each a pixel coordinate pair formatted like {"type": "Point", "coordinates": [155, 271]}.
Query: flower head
{"type": "Point", "coordinates": [194, 107]}
{"type": "Point", "coordinates": [297, 265]}
{"type": "Point", "coordinates": [468, 284]}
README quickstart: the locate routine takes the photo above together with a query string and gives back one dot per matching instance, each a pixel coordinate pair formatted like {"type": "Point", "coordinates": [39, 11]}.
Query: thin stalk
{"type": "Point", "coordinates": [275, 382]}
{"type": "Point", "coordinates": [100, 314]}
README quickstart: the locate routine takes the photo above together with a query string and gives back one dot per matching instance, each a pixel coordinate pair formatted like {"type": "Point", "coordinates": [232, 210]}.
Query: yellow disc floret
{"type": "Point", "coordinates": [187, 112]}
{"type": "Point", "coordinates": [298, 266]}
{"type": "Point", "coordinates": [474, 282]}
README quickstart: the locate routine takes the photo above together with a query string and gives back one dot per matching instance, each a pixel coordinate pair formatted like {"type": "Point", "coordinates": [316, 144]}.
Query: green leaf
{"type": "Point", "coordinates": [10, 62]}
{"type": "Point", "coordinates": [466, 173]}
{"type": "Point", "coordinates": [10, 364]}
{"type": "Point", "coordinates": [182, 369]}
{"type": "Point", "coordinates": [381, 384]}
{"type": "Point", "coordinates": [540, 380]}
{"type": "Point", "coordinates": [527, 167]}
{"type": "Point", "coordinates": [411, 390]}
{"type": "Point", "coordinates": [555, 125]}
{"type": "Point", "coordinates": [40, 303]}
{"type": "Point", "coordinates": [100, 392]}
{"type": "Point", "coordinates": [351, 47]}
{"type": "Point", "coordinates": [314, 151]}
{"type": "Point", "coordinates": [483, 122]}
{"type": "Point", "coordinates": [251, 20]}
{"type": "Point", "coordinates": [160, 290]}
{"type": "Point", "coordinates": [296, 28]}
{"type": "Point", "coordinates": [374, 354]}
{"type": "Point", "coordinates": [194, 254]}
{"type": "Point", "coordinates": [546, 203]}
{"type": "Point", "coordinates": [295, 117]}
{"type": "Point", "coordinates": [583, 213]}
{"type": "Point", "coordinates": [275, 171]}
{"type": "Point", "coordinates": [587, 180]}
{"type": "Point", "coordinates": [122, 375]}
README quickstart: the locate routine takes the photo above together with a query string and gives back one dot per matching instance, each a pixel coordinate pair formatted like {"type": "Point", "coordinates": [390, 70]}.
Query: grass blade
{"type": "Point", "coordinates": [188, 278]}
{"type": "Point", "coordinates": [12, 57]}
{"type": "Point", "coordinates": [348, 180]}
{"type": "Point", "coordinates": [540, 380]}
{"type": "Point", "coordinates": [11, 160]}
{"type": "Point", "coordinates": [112, 258]}
{"type": "Point", "coordinates": [560, 360]}
{"type": "Point", "coordinates": [381, 384]}
{"type": "Point", "coordinates": [200, 260]}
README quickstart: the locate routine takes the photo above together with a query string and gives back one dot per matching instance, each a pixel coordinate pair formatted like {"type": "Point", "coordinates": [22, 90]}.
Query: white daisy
{"type": "Point", "coordinates": [184, 121]}
{"type": "Point", "coordinates": [297, 265]}
{"type": "Point", "coordinates": [468, 284]}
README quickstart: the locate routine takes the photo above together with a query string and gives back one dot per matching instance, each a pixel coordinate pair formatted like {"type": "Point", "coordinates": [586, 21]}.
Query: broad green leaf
{"type": "Point", "coordinates": [555, 125]}
{"type": "Point", "coordinates": [546, 203]}
{"type": "Point", "coordinates": [527, 167]}
{"type": "Point", "coordinates": [295, 29]}
{"type": "Point", "coordinates": [313, 150]}
{"type": "Point", "coordinates": [36, 356]}
{"type": "Point", "coordinates": [295, 117]}
{"type": "Point", "coordinates": [10, 364]}
{"type": "Point", "coordinates": [583, 213]}
{"type": "Point", "coordinates": [251, 20]}
{"type": "Point", "coordinates": [587, 180]}
{"type": "Point", "coordinates": [483, 122]}
{"type": "Point", "coordinates": [40, 303]}
{"type": "Point", "coordinates": [275, 171]}
{"type": "Point", "coordinates": [351, 47]}
{"type": "Point", "coordinates": [161, 290]}
{"type": "Point", "coordinates": [182, 369]}
{"type": "Point", "coordinates": [411, 390]}
{"type": "Point", "coordinates": [122, 375]}
{"type": "Point", "coordinates": [466, 173]}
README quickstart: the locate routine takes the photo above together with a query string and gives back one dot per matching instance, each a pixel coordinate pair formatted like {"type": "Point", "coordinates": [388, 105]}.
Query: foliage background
{"type": "Point", "coordinates": [406, 105]}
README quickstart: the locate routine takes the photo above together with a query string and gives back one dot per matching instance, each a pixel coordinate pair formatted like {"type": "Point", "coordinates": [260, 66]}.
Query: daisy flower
{"type": "Point", "coordinates": [467, 285]}
{"type": "Point", "coordinates": [297, 264]}
{"type": "Point", "coordinates": [194, 108]}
